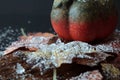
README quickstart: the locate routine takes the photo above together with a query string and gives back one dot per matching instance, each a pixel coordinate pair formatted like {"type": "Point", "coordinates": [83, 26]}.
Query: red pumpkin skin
{"type": "Point", "coordinates": [91, 31]}
{"type": "Point", "coordinates": [86, 31]}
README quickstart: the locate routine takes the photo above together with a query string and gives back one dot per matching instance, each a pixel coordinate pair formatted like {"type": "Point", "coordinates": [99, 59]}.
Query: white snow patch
{"type": "Point", "coordinates": [19, 69]}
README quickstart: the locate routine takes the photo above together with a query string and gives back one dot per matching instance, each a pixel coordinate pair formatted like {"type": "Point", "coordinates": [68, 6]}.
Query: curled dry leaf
{"type": "Point", "coordinates": [90, 75]}
{"type": "Point", "coordinates": [30, 42]}
{"type": "Point", "coordinates": [111, 44]}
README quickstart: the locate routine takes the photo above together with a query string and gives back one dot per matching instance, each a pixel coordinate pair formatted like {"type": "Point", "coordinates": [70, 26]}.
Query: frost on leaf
{"type": "Point", "coordinates": [90, 75]}
{"type": "Point", "coordinates": [48, 51]}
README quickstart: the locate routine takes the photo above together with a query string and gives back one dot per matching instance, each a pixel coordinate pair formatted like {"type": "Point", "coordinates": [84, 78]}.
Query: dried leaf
{"type": "Point", "coordinates": [90, 75]}
{"type": "Point", "coordinates": [111, 44]}
{"type": "Point", "coordinates": [110, 71]}
{"type": "Point", "coordinates": [29, 42]}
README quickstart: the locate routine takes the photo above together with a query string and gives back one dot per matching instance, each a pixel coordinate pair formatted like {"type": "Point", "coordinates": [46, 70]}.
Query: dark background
{"type": "Point", "coordinates": [32, 15]}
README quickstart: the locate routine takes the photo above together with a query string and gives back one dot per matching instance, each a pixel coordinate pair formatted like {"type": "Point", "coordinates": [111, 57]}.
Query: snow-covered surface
{"type": "Point", "coordinates": [54, 54]}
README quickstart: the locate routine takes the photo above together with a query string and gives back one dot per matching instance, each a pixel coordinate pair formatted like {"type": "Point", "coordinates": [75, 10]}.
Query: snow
{"type": "Point", "coordinates": [7, 36]}
{"type": "Point", "coordinates": [19, 69]}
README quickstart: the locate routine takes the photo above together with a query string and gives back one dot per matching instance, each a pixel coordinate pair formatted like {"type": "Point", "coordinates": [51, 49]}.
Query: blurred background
{"type": "Point", "coordinates": [32, 15]}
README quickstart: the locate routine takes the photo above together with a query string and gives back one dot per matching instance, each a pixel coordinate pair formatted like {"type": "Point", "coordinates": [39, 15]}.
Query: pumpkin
{"type": "Point", "coordinates": [84, 20]}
